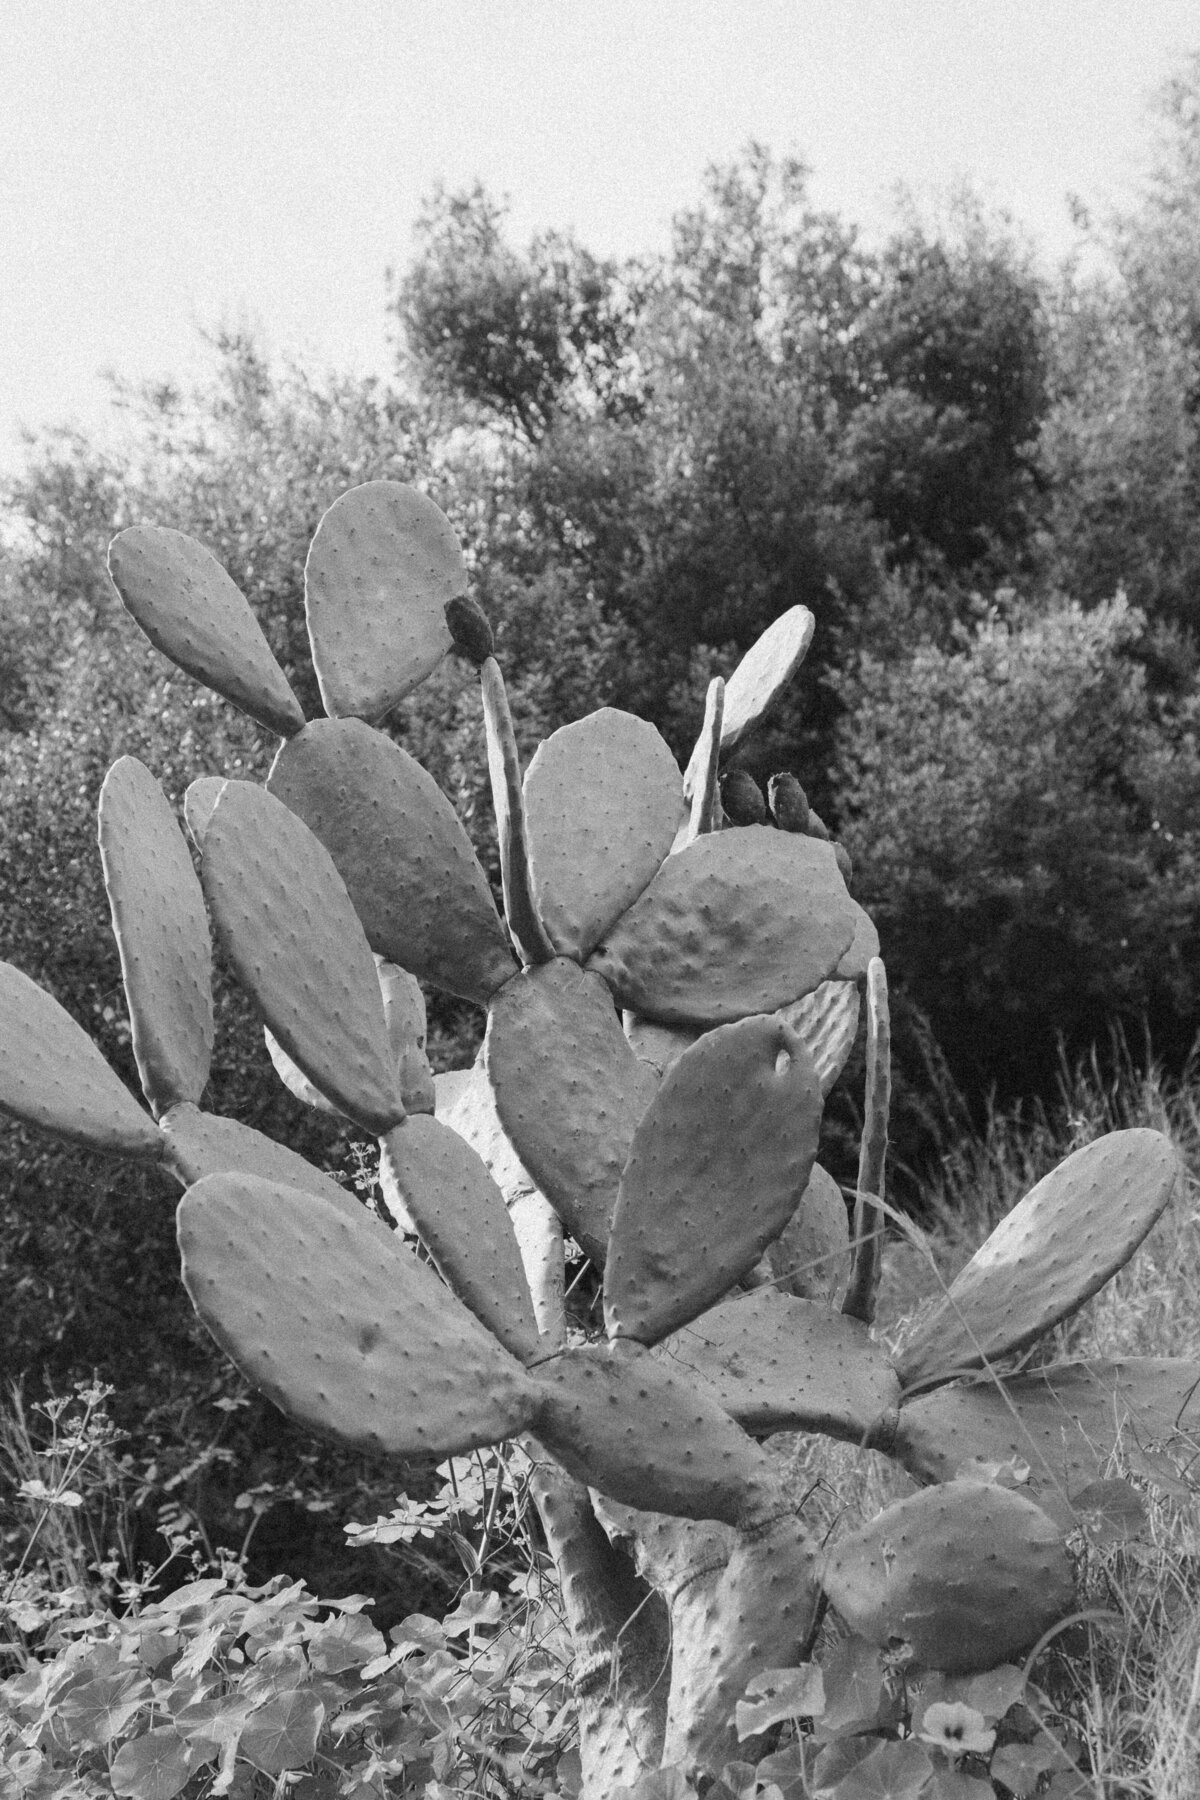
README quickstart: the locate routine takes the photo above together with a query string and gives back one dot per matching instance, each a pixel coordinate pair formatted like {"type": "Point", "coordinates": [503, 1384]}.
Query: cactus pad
{"type": "Point", "coordinates": [405, 859]}
{"type": "Point", "coordinates": [460, 1215]}
{"type": "Point", "coordinates": [780, 1364]}
{"type": "Point", "coordinates": [603, 801]}
{"type": "Point", "coordinates": [199, 1144]}
{"type": "Point", "coordinates": [1057, 1247]}
{"type": "Point", "coordinates": [569, 1092]}
{"type": "Point", "coordinates": [741, 921]}
{"type": "Point", "coordinates": [811, 1255]}
{"type": "Point", "coordinates": [863, 946]}
{"type": "Point", "coordinates": [349, 1334]}
{"type": "Point", "coordinates": [465, 1102]}
{"type": "Point", "coordinates": [198, 803]}
{"type": "Point", "coordinates": [161, 929]}
{"type": "Point", "coordinates": [716, 1169]}
{"type": "Point", "coordinates": [53, 1076]}
{"type": "Point", "coordinates": [380, 570]}
{"type": "Point", "coordinates": [659, 1045]}
{"type": "Point", "coordinates": [1070, 1418]}
{"type": "Point", "coordinates": [968, 1574]}
{"type": "Point", "coordinates": [190, 610]}
{"type": "Point", "coordinates": [764, 672]}
{"type": "Point", "coordinates": [286, 923]}
{"type": "Point", "coordinates": [700, 781]}
{"type": "Point", "coordinates": [404, 1015]}
{"type": "Point", "coordinates": [623, 1423]}
{"type": "Point", "coordinates": [827, 1020]}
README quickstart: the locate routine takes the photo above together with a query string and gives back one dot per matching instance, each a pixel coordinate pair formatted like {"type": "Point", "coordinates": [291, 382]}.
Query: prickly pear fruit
{"type": "Point", "coordinates": [468, 625]}
{"type": "Point", "coordinates": [190, 610]}
{"type": "Point", "coordinates": [742, 799]}
{"type": "Point", "coordinates": [603, 801]}
{"type": "Point", "coordinates": [406, 861]}
{"type": "Point", "coordinates": [460, 1215]}
{"type": "Point", "coordinates": [788, 802]}
{"type": "Point", "coordinates": [620, 1421]}
{"type": "Point", "coordinates": [1065, 1421]}
{"type": "Point", "coordinates": [777, 1363]}
{"type": "Point", "coordinates": [811, 1255]}
{"type": "Point", "coordinates": [827, 1020]}
{"type": "Point", "coordinates": [569, 1092]}
{"type": "Point", "coordinates": [285, 920]}
{"type": "Point", "coordinates": [1057, 1247]}
{"type": "Point", "coordinates": [967, 1573]}
{"type": "Point", "coordinates": [740, 922]}
{"type": "Point", "coordinates": [197, 1144]}
{"type": "Point", "coordinates": [161, 930]}
{"type": "Point", "coordinates": [348, 1333]}
{"type": "Point", "coordinates": [716, 1169]}
{"type": "Point", "coordinates": [53, 1076]}
{"type": "Point", "coordinates": [381, 567]}
{"type": "Point", "coordinates": [700, 778]}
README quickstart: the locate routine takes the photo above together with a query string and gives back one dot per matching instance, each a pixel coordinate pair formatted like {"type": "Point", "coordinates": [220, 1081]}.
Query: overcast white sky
{"type": "Point", "coordinates": [165, 164]}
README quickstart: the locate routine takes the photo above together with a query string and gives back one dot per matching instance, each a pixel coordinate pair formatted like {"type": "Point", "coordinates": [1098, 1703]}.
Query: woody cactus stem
{"type": "Point", "coordinates": [863, 1287]}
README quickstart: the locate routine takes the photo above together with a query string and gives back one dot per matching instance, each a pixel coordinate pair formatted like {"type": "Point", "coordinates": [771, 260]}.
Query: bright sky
{"type": "Point", "coordinates": [168, 164]}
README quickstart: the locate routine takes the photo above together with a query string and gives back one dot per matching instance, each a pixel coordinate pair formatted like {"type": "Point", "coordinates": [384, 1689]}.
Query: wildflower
{"type": "Point", "coordinates": [957, 1729]}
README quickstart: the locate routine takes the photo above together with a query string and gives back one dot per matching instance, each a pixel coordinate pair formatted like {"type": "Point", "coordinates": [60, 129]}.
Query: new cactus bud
{"type": "Point", "coordinates": [742, 799]}
{"type": "Point", "coordinates": [470, 628]}
{"type": "Point", "coordinates": [788, 802]}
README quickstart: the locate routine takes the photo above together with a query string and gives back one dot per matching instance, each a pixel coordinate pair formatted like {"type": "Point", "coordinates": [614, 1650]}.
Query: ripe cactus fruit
{"type": "Point", "coordinates": [380, 570]}
{"type": "Point", "coordinates": [162, 934]}
{"type": "Point", "coordinates": [788, 802]}
{"type": "Point", "coordinates": [687, 1226]}
{"type": "Point", "coordinates": [190, 609]}
{"type": "Point", "coordinates": [348, 1332]}
{"type": "Point", "coordinates": [742, 799]}
{"type": "Point", "coordinates": [777, 1363]}
{"type": "Point", "coordinates": [398, 845]}
{"type": "Point", "coordinates": [468, 625]}
{"type": "Point", "coordinates": [53, 1076]}
{"type": "Point", "coordinates": [966, 1573]}
{"type": "Point", "coordinates": [1064, 1421]}
{"type": "Point", "coordinates": [285, 920]}
{"type": "Point", "coordinates": [741, 921]}
{"type": "Point", "coordinates": [622, 1422]}
{"type": "Point", "coordinates": [460, 1215]}
{"type": "Point", "coordinates": [603, 801]}
{"type": "Point", "coordinates": [1058, 1247]}
{"type": "Point", "coordinates": [569, 1092]}
{"type": "Point", "coordinates": [811, 1255]}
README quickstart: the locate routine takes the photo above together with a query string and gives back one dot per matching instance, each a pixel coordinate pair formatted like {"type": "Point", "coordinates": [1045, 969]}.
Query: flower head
{"type": "Point", "coordinates": [957, 1729]}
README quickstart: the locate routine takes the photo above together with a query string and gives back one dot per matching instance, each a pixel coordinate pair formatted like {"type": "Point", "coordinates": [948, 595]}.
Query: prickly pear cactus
{"type": "Point", "coordinates": [673, 986]}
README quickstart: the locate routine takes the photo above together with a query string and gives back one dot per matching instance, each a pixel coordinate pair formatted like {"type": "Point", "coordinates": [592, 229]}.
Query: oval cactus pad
{"type": "Point", "coordinates": [190, 610]}
{"type": "Point", "coordinates": [569, 1092]}
{"type": "Point", "coordinates": [381, 567]}
{"type": "Point", "coordinates": [741, 922]}
{"type": "Point", "coordinates": [285, 920]}
{"type": "Point", "coordinates": [827, 1020]}
{"type": "Point", "coordinates": [968, 1574]}
{"type": "Point", "coordinates": [603, 801]}
{"type": "Point", "coordinates": [199, 1144]}
{"type": "Point", "coordinates": [53, 1076]}
{"type": "Point", "coordinates": [161, 929]}
{"type": "Point", "coordinates": [405, 859]}
{"type": "Point", "coordinates": [643, 1435]}
{"type": "Point", "coordinates": [863, 946]}
{"type": "Point", "coordinates": [716, 1169]}
{"type": "Point", "coordinates": [198, 803]}
{"type": "Point", "coordinates": [811, 1255]}
{"type": "Point", "coordinates": [780, 1364]}
{"type": "Point", "coordinates": [761, 676]}
{"type": "Point", "coordinates": [1065, 1421]}
{"type": "Point", "coordinates": [348, 1333]}
{"type": "Point", "coordinates": [1057, 1247]}
{"type": "Point", "coordinates": [463, 1222]}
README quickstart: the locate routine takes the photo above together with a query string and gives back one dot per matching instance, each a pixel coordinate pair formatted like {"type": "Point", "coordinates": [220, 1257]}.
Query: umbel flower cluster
{"type": "Point", "coordinates": [671, 996]}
